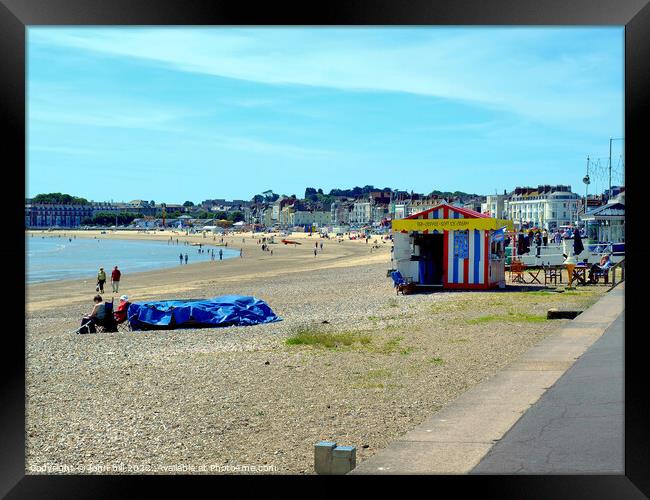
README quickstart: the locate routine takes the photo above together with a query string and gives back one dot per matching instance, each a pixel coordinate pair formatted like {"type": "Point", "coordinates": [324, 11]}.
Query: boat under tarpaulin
{"type": "Point", "coordinates": [227, 310]}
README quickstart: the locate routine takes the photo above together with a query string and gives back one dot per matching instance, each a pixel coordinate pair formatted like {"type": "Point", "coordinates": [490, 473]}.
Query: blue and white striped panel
{"type": "Point", "coordinates": [475, 267]}
{"type": "Point", "coordinates": [471, 275]}
{"type": "Point", "coordinates": [479, 245]}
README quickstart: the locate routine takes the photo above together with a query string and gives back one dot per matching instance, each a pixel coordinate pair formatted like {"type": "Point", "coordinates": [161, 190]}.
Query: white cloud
{"type": "Point", "coordinates": [58, 104]}
{"type": "Point", "coordinates": [506, 69]}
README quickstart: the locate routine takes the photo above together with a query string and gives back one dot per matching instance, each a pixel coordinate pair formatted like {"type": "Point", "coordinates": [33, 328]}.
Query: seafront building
{"type": "Point", "coordinates": [68, 215]}
{"type": "Point", "coordinates": [494, 205]}
{"type": "Point", "coordinates": [311, 218]}
{"type": "Point", "coordinates": [474, 204]}
{"type": "Point", "coordinates": [48, 215]}
{"type": "Point", "coordinates": [546, 206]}
{"type": "Point", "coordinates": [361, 213]}
{"type": "Point", "coordinates": [607, 222]}
{"type": "Point", "coordinates": [340, 213]}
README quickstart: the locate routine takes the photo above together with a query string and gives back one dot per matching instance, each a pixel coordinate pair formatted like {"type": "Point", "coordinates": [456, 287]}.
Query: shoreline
{"type": "Point", "coordinates": [255, 264]}
{"type": "Point", "coordinates": [162, 262]}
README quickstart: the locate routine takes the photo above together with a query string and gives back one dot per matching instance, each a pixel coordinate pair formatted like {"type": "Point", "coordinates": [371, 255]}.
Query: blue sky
{"type": "Point", "coordinates": [183, 113]}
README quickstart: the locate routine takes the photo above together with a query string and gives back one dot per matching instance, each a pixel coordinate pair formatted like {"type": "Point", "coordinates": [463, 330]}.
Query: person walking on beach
{"type": "Point", "coordinates": [185, 258]}
{"type": "Point", "coordinates": [181, 257]}
{"type": "Point", "coordinates": [220, 254]}
{"type": "Point", "coordinates": [115, 279]}
{"type": "Point", "coordinates": [241, 253]}
{"type": "Point", "coordinates": [101, 279]}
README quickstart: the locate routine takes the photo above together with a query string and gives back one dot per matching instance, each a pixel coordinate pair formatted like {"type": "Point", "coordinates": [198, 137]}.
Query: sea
{"type": "Point", "coordinates": [51, 258]}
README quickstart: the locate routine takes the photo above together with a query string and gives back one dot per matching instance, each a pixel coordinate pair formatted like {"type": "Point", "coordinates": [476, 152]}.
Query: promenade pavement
{"type": "Point", "coordinates": [456, 439]}
{"type": "Point", "coordinates": [577, 425]}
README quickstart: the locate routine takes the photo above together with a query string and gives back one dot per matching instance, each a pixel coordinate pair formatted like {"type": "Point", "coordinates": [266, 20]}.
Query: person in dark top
{"type": "Point", "coordinates": [578, 247]}
{"type": "Point", "coordinates": [522, 244]}
{"type": "Point", "coordinates": [97, 315]}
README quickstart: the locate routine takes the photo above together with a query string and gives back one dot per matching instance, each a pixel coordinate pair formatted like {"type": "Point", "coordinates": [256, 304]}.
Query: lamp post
{"type": "Point", "coordinates": [586, 180]}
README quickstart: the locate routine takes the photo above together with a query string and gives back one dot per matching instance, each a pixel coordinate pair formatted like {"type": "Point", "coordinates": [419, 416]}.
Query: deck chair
{"type": "Point", "coordinates": [108, 324]}
{"type": "Point", "coordinates": [121, 317]}
{"type": "Point", "coordinates": [517, 269]}
{"type": "Point", "coordinates": [600, 272]}
{"type": "Point", "coordinates": [402, 284]}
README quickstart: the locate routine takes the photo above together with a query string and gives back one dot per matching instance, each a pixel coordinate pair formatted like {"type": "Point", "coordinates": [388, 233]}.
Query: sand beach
{"type": "Point", "coordinates": [243, 399]}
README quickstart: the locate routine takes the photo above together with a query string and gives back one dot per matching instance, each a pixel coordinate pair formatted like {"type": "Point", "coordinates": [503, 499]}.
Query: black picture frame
{"type": "Point", "coordinates": [17, 15]}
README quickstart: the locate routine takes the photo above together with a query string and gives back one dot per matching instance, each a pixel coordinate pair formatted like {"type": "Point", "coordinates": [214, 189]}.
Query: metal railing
{"type": "Point", "coordinates": [612, 272]}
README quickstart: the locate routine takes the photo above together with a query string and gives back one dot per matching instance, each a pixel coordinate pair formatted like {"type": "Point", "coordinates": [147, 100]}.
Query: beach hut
{"type": "Point", "coordinates": [451, 247]}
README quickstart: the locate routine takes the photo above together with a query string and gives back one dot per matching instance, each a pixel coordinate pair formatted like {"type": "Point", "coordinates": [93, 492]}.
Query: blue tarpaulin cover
{"type": "Point", "coordinates": [227, 310]}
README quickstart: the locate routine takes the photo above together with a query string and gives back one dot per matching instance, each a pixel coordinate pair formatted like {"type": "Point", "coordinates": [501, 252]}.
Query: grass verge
{"type": "Point", "coordinates": [330, 340]}
{"type": "Point", "coordinates": [510, 317]}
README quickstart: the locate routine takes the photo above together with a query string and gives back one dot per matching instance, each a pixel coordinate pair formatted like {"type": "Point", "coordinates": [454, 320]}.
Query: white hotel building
{"type": "Point", "coordinates": [545, 206]}
{"type": "Point", "coordinates": [361, 213]}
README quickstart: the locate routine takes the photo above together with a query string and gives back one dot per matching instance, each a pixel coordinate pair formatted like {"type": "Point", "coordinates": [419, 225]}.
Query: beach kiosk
{"type": "Point", "coordinates": [451, 247]}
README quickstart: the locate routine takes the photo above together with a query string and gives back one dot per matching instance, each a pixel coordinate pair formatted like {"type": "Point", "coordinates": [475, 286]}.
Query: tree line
{"type": "Point", "coordinates": [59, 199]}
